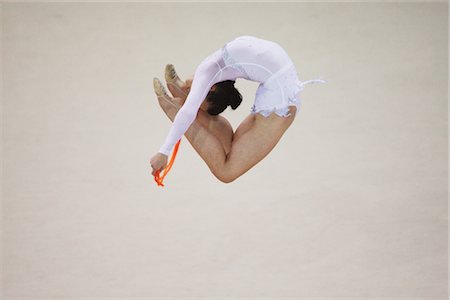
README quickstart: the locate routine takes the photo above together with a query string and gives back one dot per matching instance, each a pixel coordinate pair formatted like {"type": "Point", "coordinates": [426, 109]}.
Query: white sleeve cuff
{"type": "Point", "coordinates": [164, 151]}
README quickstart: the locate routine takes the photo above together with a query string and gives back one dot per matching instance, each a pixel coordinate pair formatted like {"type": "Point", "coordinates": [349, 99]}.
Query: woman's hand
{"type": "Point", "coordinates": [158, 162]}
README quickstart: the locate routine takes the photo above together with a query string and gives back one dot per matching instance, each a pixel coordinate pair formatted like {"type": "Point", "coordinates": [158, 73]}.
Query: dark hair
{"type": "Point", "coordinates": [224, 95]}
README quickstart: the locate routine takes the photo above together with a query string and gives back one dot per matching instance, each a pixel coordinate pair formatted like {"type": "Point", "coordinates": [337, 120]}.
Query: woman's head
{"type": "Point", "coordinates": [222, 95]}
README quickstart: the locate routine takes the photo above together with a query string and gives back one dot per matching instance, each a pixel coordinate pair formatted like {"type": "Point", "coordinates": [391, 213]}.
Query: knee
{"type": "Point", "coordinates": [225, 177]}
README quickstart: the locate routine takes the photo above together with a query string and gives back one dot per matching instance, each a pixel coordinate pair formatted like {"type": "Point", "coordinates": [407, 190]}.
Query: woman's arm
{"type": "Point", "coordinates": [204, 78]}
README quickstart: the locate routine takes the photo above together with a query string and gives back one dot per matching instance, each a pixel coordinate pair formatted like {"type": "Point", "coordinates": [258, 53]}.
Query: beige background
{"type": "Point", "coordinates": [352, 203]}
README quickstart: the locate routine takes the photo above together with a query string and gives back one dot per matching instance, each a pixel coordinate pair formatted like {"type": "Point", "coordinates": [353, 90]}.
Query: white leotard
{"type": "Point", "coordinates": [245, 57]}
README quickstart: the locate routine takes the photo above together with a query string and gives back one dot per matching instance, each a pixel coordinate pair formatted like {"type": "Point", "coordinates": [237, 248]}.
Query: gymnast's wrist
{"type": "Point", "coordinates": [164, 150]}
{"type": "Point", "coordinates": [162, 153]}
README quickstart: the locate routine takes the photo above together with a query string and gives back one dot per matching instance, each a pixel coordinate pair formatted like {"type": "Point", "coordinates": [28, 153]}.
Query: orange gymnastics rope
{"type": "Point", "coordinates": [159, 179]}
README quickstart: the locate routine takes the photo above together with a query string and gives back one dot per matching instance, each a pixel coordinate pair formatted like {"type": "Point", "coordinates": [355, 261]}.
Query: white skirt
{"type": "Point", "coordinates": [279, 92]}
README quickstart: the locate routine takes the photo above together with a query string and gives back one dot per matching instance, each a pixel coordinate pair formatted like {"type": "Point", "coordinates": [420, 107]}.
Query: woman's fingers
{"type": "Point", "coordinates": [155, 170]}
{"type": "Point", "coordinates": [154, 165]}
{"type": "Point", "coordinates": [157, 165]}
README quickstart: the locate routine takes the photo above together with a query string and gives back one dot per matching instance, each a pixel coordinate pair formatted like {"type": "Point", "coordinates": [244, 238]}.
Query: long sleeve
{"type": "Point", "coordinates": [204, 78]}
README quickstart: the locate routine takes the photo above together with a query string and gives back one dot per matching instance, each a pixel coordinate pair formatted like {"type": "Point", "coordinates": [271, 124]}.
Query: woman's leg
{"type": "Point", "coordinates": [253, 143]}
{"type": "Point", "coordinates": [203, 141]}
{"type": "Point", "coordinates": [217, 125]}
{"type": "Point", "coordinates": [255, 138]}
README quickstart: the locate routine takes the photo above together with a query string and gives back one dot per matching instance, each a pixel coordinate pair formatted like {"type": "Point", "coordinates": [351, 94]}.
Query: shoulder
{"type": "Point", "coordinates": [207, 68]}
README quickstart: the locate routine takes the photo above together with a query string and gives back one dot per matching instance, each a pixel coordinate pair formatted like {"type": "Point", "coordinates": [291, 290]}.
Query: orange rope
{"type": "Point", "coordinates": [159, 179]}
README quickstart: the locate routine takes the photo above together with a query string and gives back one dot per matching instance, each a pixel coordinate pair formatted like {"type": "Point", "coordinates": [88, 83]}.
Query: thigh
{"type": "Point", "coordinates": [221, 128]}
{"type": "Point", "coordinates": [243, 127]}
{"type": "Point", "coordinates": [257, 142]}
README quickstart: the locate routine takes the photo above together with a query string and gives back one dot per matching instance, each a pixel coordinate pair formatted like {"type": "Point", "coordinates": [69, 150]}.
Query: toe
{"type": "Point", "coordinates": [170, 73]}
{"type": "Point", "coordinates": [160, 90]}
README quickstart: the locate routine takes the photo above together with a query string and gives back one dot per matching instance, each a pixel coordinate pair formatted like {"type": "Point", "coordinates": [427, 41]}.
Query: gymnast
{"type": "Point", "coordinates": [197, 103]}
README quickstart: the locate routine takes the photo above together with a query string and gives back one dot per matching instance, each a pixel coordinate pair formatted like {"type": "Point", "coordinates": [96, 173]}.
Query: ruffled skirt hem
{"type": "Point", "coordinates": [282, 112]}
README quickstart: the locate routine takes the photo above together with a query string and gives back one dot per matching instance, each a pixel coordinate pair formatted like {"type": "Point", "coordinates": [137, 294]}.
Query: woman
{"type": "Point", "coordinates": [227, 154]}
